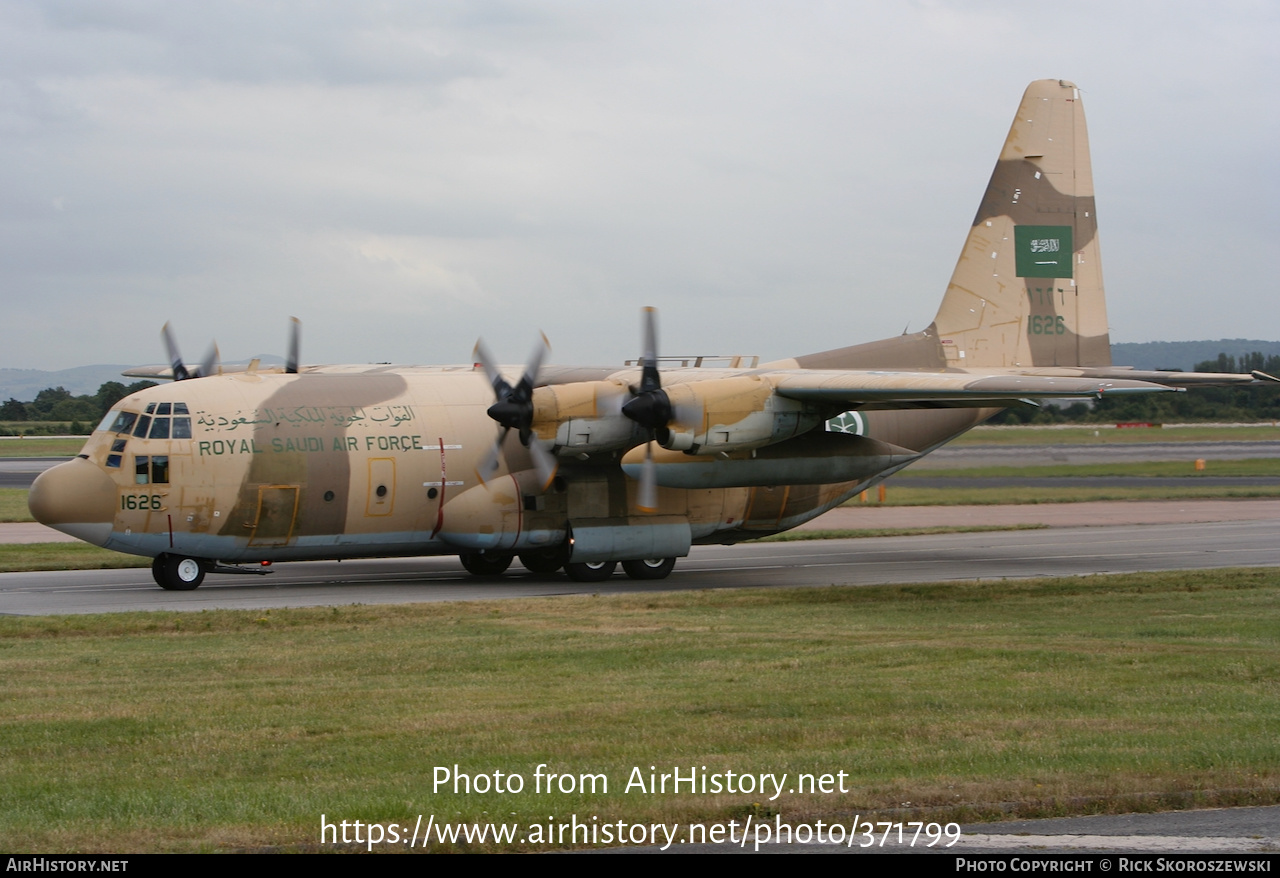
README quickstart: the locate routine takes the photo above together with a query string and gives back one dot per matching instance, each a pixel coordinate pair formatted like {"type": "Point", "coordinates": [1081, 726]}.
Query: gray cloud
{"type": "Point", "coordinates": [777, 179]}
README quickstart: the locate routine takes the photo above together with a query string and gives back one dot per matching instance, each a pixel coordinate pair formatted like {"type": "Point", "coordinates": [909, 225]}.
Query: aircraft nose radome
{"type": "Point", "coordinates": [76, 498]}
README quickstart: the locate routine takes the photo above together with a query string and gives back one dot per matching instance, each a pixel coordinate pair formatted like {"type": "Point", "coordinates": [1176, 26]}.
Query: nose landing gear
{"type": "Point", "coordinates": [178, 572]}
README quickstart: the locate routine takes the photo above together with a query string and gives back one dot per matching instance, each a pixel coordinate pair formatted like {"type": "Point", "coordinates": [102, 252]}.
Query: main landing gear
{"type": "Point", "coordinates": [178, 572]}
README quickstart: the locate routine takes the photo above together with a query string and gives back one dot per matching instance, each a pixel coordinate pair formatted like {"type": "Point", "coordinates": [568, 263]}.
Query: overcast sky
{"type": "Point", "coordinates": [777, 178]}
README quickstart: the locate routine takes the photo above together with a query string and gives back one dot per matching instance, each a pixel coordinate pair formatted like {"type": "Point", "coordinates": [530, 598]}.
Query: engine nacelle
{"type": "Point", "coordinates": [584, 418]}
{"type": "Point", "coordinates": [732, 414]}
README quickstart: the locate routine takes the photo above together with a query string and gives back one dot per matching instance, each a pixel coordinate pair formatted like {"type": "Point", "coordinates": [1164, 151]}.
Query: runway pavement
{"type": "Point", "coordinates": [1063, 551]}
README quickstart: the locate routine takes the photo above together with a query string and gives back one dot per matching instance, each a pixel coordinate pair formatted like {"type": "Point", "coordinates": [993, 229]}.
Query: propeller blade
{"type": "Point", "coordinates": [500, 386]}
{"type": "Point", "coordinates": [212, 363]}
{"type": "Point", "coordinates": [295, 335]}
{"type": "Point", "coordinates": [649, 378]}
{"type": "Point", "coordinates": [489, 465]}
{"type": "Point", "coordinates": [647, 498]}
{"type": "Point", "coordinates": [544, 462]}
{"type": "Point", "coordinates": [529, 379]}
{"type": "Point", "coordinates": [180, 372]}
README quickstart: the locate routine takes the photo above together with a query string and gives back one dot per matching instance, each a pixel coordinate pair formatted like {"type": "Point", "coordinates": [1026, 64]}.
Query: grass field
{"type": "Point", "coordinates": [238, 729]}
{"type": "Point", "coordinates": [40, 446]}
{"type": "Point", "coordinates": [22, 557]}
{"type": "Point", "coordinates": [13, 505]}
{"type": "Point", "coordinates": [1108, 433]}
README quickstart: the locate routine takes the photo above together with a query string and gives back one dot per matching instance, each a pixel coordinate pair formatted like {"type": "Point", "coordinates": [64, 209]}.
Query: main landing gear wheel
{"type": "Point", "coordinates": [178, 573]}
{"type": "Point", "coordinates": [485, 563]}
{"type": "Point", "coordinates": [544, 562]}
{"type": "Point", "coordinates": [594, 571]}
{"type": "Point", "coordinates": [649, 568]}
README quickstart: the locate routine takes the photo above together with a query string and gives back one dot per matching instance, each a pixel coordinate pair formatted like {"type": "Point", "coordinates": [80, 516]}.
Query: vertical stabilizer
{"type": "Point", "coordinates": [1027, 290]}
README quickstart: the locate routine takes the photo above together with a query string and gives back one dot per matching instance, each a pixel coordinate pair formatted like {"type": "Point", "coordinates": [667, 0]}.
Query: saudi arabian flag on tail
{"type": "Point", "coordinates": [1043, 251]}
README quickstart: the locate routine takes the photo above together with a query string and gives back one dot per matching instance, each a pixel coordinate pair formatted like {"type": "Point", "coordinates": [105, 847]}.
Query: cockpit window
{"type": "Point", "coordinates": [159, 428]}
{"type": "Point", "coordinates": [181, 428]}
{"type": "Point", "coordinates": [144, 424]}
{"type": "Point", "coordinates": [118, 422]}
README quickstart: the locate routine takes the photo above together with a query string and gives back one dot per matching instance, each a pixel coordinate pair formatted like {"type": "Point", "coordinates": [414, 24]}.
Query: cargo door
{"type": "Point", "coordinates": [277, 509]}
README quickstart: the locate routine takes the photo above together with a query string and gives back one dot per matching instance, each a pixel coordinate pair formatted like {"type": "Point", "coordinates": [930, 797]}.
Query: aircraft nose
{"type": "Point", "coordinates": [76, 498]}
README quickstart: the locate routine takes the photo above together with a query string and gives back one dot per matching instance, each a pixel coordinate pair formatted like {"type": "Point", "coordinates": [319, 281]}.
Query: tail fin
{"type": "Point", "coordinates": [1027, 290]}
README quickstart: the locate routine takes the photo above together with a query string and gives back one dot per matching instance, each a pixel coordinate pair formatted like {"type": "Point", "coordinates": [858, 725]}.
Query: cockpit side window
{"type": "Point", "coordinates": [118, 422]}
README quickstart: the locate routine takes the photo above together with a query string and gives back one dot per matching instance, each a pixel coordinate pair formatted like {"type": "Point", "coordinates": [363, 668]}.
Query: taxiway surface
{"type": "Point", "coordinates": [1065, 551]}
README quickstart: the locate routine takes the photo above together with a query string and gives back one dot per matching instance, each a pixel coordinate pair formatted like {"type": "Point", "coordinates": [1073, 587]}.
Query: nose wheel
{"type": "Point", "coordinates": [178, 572]}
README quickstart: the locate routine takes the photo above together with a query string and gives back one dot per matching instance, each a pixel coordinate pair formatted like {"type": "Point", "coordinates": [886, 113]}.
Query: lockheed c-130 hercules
{"type": "Point", "coordinates": [583, 468]}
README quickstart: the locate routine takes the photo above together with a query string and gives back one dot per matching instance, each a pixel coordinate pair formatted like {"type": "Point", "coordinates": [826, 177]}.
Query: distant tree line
{"type": "Point", "coordinates": [55, 410]}
{"type": "Point", "coordinates": [1200, 404]}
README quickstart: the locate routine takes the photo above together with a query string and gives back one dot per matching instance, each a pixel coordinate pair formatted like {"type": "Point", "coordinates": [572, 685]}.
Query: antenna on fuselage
{"type": "Point", "coordinates": [295, 335]}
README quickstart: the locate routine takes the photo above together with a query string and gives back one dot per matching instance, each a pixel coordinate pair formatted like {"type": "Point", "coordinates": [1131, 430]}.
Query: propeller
{"type": "Point", "coordinates": [208, 366]}
{"type": "Point", "coordinates": [651, 408]}
{"type": "Point", "coordinates": [513, 410]}
{"type": "Point", "coordinates": [212, 363]}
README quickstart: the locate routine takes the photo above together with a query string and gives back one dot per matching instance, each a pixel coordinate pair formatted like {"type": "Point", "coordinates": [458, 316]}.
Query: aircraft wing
{"type": "Point", "coordinates": [945, 389]}
{"type": "Point", "coordinates": [1170, 379]}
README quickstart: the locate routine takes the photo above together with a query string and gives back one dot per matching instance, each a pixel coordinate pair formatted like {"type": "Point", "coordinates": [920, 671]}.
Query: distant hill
{"type": "Point", "coordinates": [1185, 354]}
{"type": "Point", "coordinates": [24, 384]}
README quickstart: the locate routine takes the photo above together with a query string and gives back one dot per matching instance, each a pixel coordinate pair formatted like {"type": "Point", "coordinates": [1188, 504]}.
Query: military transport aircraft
{"type": "Point", "coordinates": [582, 468]}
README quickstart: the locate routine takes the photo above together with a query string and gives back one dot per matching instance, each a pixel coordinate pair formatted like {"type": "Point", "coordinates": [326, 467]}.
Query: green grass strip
{"type": "Point", "coordinates": [25, 557]}
{"type": "Point", "coordinates": [228, 730]}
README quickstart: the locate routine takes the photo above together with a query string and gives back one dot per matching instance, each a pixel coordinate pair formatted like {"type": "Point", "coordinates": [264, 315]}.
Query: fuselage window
{"type": "Point", "coordinates": [118, 422]}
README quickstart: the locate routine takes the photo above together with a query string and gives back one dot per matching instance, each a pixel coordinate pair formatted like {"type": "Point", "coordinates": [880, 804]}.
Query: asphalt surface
{"type": "Point", "coordinates": [20, 472]}
{"type": "Point", "coordinates": [1220, 834]}
{"type": "Point", "coordinates": [1067, 551]}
